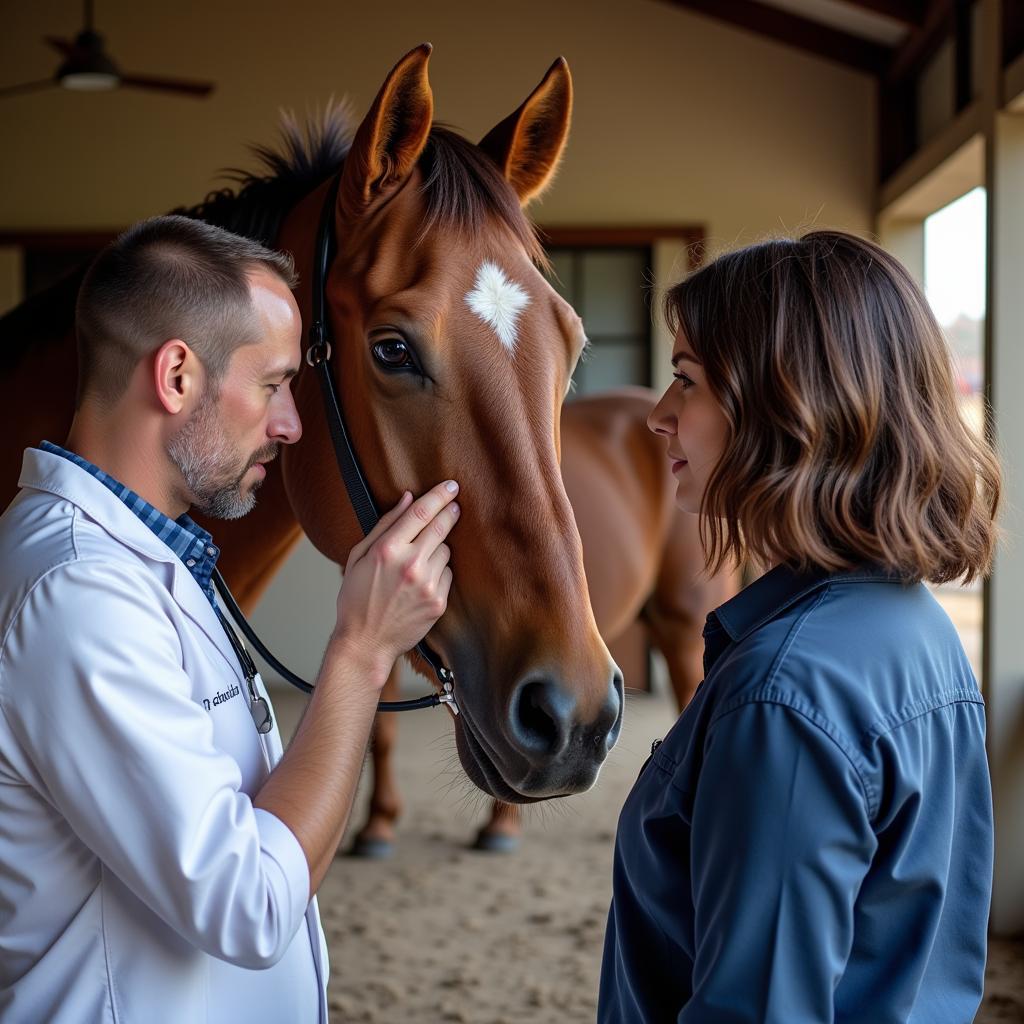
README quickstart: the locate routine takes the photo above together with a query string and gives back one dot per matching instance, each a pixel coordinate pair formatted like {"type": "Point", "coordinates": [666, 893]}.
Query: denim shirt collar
{"type": "Point", "coordinates": [779, 589]}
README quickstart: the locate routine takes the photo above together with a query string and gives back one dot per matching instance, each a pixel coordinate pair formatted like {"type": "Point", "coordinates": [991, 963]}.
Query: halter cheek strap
{"type": "Point", "coordinates": [318, 356]}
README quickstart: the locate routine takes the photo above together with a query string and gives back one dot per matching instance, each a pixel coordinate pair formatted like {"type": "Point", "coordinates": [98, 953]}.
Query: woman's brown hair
{"type": "Point", "coordinates": [845, 444]}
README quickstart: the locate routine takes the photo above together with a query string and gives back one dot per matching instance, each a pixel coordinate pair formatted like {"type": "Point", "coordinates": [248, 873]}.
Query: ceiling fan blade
{"type": "Point", "coordinates": [63, 46]}
{"type": "Point", "coordinates": [14, 90]}
{"type": "Point", "coordinates": [181, 85]}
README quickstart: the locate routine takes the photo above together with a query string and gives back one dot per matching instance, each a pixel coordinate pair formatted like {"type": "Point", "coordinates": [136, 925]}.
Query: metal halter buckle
{"type": "Point", "coordinates": [318, 353]}
{"type": "Point", "coordinates": [447, 694]}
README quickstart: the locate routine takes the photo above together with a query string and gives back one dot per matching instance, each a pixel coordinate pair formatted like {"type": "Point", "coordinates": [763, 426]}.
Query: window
{"type": "Point", "coordinates": [608, 288]}
{"type": "Point", "coordinates": [954, 279]}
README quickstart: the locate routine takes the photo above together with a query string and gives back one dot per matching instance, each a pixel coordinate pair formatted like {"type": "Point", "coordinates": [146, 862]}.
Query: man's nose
{"type": "Point", "coordinates": [286, 426]}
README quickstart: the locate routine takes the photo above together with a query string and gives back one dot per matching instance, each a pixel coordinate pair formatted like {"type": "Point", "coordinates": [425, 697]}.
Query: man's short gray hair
{"type": "Point", "coordinates": [167, 277]}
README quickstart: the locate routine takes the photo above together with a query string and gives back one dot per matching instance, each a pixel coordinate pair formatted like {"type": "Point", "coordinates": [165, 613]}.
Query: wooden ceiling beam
{"type": "Point", "coordinates": [911, 13]}
{"type": "Point", "coordinates": [803, 33]}
{"type": "Point", "coordinates": [923, 43]}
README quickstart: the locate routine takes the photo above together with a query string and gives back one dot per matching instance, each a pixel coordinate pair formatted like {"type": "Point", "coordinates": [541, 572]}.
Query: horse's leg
{"type": "Point", "coordinates": [377, 837]}
{"type": "Point", "coordinates": [682, 597]}
{"type": "Point", "coordinates": [677, 634]}
{"type": "Point", "coordinates": [503, 832]}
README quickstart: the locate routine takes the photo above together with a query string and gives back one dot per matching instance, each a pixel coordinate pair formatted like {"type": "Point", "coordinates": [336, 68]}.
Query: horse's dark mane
{"type": "Point", "coordinates": [462, 188]}
{"type": "Point", "coordinates": [302, 159]}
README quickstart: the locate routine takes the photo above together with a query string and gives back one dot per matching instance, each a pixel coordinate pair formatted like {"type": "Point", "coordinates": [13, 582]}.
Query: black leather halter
{"type": "Point", "coordinates": [318, 356]}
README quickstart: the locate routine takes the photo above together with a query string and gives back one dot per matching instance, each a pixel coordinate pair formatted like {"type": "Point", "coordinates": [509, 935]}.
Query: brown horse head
{"type": "Point", "coordinates": [452, 355]}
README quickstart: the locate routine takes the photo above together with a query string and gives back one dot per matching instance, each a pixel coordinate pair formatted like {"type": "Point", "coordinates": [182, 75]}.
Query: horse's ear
{"type": "Point", "coordinates": [392, 136]}
{"type": "Point", "coordinates": [528, 144]}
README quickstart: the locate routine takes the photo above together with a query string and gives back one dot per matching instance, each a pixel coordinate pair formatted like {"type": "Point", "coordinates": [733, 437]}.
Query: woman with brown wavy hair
{"type": "Point", "coordinates": [813, 839]}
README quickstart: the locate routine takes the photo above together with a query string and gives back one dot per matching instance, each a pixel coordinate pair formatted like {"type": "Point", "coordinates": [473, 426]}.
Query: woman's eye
{"type": "Point", "coordinates": [393, 355]}
{"type": "Point", "coordinates": [685, 381]}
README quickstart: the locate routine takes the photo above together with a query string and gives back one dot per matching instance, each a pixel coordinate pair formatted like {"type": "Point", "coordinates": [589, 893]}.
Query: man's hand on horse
{"type": "Point", "coordinates": [397, 578]}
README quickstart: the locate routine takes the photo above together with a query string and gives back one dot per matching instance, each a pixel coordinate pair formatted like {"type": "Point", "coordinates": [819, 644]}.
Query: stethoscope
{"type": "Point", "coordinates": [318, 356]}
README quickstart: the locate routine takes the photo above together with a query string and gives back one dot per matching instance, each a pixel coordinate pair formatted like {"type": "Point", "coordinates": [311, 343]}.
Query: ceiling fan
{"type": "Point", "coordinates": [88, 68]}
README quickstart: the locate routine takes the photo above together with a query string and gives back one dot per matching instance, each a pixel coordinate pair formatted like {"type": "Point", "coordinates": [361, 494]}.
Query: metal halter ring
{"type": "Point", "coordinates": [318, 353]}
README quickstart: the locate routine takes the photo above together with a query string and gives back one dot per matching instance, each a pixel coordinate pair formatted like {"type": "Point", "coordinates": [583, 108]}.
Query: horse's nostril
{"type": "Point", "coordinates": [613, 713]}
{"type": "Point", "coordinates": [541, 718]}
{"type": "Point", "coordinates": [544, 723]}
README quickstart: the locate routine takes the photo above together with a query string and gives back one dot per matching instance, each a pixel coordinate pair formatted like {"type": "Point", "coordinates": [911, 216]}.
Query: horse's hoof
{"type": "Point", "coordinates": [496, 842]}
{"type": "Point", "coordinates": [372, 849]}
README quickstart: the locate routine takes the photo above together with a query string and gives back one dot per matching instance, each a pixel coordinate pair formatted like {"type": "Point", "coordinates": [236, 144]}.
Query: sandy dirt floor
{"type": "Point", "coordinates": [440, 933]}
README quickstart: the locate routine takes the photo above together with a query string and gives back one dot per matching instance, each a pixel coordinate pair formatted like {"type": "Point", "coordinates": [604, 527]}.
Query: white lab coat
{"type": "Point", "coordinates": [137, 881]}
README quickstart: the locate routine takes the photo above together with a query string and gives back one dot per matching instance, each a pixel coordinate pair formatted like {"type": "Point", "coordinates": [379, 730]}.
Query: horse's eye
{"type": "Point", "coordinates": [393, 354]}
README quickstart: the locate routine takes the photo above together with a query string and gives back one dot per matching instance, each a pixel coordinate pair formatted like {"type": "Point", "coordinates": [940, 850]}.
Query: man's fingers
{"type": "Point", "coordinates": [422, 512]}
{"type": "Point", "coordinates": [444, 584]}
{"type": "Point", "coordinates": [435, 533]}
{"type": "Point", "coordinates": [386, 522]}
{"type": "Point", "coordinates": [442, 588]}
{"type": "Point", "coordinates": [437, 562]}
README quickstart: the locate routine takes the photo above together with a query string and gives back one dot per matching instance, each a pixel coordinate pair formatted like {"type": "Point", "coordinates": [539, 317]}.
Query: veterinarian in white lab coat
{"type": "Point", "coordinates": [158, 857]}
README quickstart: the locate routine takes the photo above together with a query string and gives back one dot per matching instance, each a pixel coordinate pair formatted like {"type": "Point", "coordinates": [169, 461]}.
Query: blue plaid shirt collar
{"type": "Point", "coordinates": [186, 538]}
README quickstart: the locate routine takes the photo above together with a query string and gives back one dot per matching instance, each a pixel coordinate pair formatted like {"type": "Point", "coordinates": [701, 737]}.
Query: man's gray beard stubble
{"type": "Point", "coordinates": [208, 466]}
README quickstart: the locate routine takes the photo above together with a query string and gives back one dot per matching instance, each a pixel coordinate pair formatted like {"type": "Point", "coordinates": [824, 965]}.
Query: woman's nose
{"type": "Point", "coordinates": [661, 420]}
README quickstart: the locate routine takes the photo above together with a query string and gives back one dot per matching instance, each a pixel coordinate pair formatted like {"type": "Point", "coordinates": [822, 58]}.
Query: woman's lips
{"type": "Point", "coordinates": [677, 464]}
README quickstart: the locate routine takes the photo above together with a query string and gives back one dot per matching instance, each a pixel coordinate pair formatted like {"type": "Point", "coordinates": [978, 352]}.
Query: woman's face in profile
{"type": "Point", "coordinates": [693, 425]}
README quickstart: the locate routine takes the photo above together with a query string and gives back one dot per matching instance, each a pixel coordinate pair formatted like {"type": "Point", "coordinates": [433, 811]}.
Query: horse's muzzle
{"type": "Point", "coordinates": [544, 747]}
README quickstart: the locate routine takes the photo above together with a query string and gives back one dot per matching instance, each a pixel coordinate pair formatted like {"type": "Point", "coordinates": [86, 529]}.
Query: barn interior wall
{"type": "Point", "coordinates": [678, 118]}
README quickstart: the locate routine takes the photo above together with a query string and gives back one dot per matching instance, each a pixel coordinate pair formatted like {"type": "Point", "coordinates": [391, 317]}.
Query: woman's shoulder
{"type": "Point", "coordinates": [857, 650]}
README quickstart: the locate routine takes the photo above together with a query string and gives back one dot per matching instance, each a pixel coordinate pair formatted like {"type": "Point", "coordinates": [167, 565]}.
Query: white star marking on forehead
{"type": "Point", "coordinates": [498, 302]}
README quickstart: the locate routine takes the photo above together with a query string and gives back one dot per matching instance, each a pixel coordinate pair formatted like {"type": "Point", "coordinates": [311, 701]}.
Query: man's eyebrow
{"type": "Point", "coordinates": [283, 374]}
{"type": "Point", "coordinates": [680, 356]}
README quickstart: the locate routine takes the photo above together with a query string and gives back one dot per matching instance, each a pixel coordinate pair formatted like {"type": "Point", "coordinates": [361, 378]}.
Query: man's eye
{"type": "Point", "coordinates": [274, 388]}
{"type": "Point", "coordinates": [393, 354]}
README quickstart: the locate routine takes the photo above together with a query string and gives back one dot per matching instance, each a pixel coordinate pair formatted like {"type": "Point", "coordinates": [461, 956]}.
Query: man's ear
{"type": "Point", "coordinates": [528, 144]}
{"type": "Point", "coordinates": [391, 138]}
{"type": "Point", "coordinates": [176, 375]}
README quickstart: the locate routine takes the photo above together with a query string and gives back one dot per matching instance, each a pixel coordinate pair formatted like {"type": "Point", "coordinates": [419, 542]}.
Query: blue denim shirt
{"type": "Point", "coordinates": [813, 839]}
